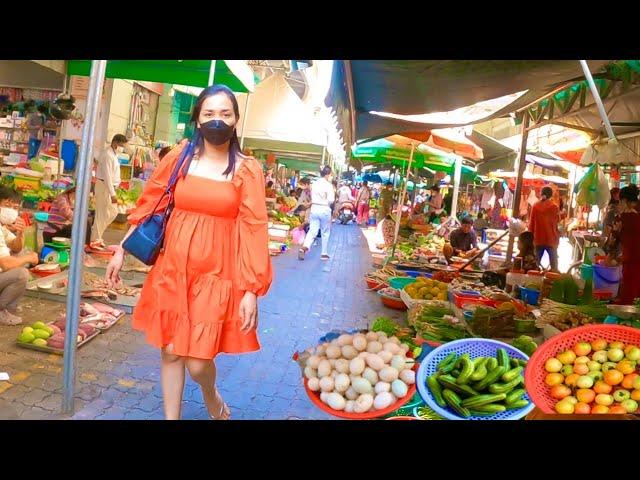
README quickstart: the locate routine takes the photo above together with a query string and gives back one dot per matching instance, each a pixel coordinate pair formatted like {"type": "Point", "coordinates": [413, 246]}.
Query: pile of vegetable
{"type": "Point", "coordinates": [525, 344]}
{"type": "Point", "coordinates": [556, 314]}
{"type": "Point", "coordinates": [390, 328]}
{"type": "Point", "coordinates": [565, 290]}
{"type": "Point", "coordinates": [436, 322]}
{"type": "Point", "coordinates": [360, 373]}
{"type": "Point", "coordinates": [596, 377]}
{"type": "Point", "coordinates": [127, 199]}
{"type": "Point", "coordinates": [480, 386]}
{"type": "Point", "coordinates": [390, 292]}
{"type": "Point", "coordinates": [427, 289]}
{"type": "Point", "coordinates": [491, 322]}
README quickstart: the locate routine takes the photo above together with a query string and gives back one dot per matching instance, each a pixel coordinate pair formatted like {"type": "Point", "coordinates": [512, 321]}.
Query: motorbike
{"type": "Point", "coordinates": [347, 213]}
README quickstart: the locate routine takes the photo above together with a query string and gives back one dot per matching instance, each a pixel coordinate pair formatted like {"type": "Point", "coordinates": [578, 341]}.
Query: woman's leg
{"type": "Point", "coordinates": [325, 230]}
{"type": "Point", "coordinates": [365, 214]}
{"type": "Point", "coordinates": [204, 373]}
{"type": "Point", "coordinates": [172, 380]}
{"type": "Point", "coordinates": [553, 258]}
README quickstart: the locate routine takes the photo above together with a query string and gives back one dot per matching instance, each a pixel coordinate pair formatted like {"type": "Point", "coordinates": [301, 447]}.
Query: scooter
{"type": "Point", "coordinates": [347, 213]}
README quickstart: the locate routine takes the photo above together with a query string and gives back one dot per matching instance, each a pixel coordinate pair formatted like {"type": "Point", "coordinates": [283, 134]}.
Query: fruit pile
{"type": "Point", "coordinates": [481, 386]}
{"type": "Point", "coordinates": [427, 289]}
{"type": "Point", "coordinates": [52, 335]}
{"type": "Point", "coordinates": [595, 378]}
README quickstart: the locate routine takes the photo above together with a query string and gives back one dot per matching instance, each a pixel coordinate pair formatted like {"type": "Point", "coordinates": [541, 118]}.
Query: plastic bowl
{"type": "Point", "coordinates": [395, 303]}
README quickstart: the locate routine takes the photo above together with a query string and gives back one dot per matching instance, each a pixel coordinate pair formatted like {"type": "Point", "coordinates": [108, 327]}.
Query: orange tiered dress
{"type": "Point", "coordinates": [216, 249]}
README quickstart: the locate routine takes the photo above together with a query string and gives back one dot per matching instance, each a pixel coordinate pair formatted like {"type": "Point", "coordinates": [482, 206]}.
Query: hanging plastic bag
{"type": "Point", "coordinates": [593, 188]}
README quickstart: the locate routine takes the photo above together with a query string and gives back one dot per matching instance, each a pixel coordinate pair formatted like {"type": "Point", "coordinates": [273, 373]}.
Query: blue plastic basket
{"type": "Point", "coordinates": [400, 282]}
{"type": "Point", "coordinates": [416, 274]}
{"type": "Point", "coordinates": [529, 296]}
{"type": "Point", "coordinates": [475, 347]}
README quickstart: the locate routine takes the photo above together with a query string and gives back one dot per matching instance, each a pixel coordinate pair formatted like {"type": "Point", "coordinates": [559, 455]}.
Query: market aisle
{"type": "Point", "coordinates": [118, 374]}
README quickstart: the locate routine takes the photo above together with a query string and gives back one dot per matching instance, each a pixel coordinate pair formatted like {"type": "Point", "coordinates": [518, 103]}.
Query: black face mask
{"type": "Point", "coordinates": [216, 131]}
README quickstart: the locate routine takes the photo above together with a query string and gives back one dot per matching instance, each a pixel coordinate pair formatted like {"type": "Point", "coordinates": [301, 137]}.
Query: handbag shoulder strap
{"type": "Point", "coordinates": [173, 180]}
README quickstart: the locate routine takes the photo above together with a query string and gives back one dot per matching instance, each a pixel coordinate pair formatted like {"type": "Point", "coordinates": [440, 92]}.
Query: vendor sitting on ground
{"type": "Point", "coordinates": [385, 231]}
{"type": "Point", "coordinates": [527, 252]}
{"type": "Point", "coordinates": [61, 217]}
{"type": "Point", "coordinates": [463, 241]}
{"type": "Point", "coordinates": [13, 274]}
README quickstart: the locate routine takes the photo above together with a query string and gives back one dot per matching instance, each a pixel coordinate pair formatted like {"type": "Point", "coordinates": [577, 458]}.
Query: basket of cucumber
{"type": "Point", "coordinates": [475, 379]}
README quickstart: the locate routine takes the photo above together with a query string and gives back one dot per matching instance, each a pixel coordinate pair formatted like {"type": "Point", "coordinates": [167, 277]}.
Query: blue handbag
{"type": "Point", "coordinates": [147, 240]}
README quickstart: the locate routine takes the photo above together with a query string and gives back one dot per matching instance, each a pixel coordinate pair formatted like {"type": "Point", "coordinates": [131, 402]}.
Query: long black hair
{"type": "Point", "coordinates": [197, 141]}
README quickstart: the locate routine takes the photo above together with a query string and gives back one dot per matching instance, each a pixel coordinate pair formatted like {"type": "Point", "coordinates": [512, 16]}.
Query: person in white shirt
{"type": "Point", "coordinates": [108, 180]}
{"type": "Point", "coordinates": [13, 272]}
{"type": "Point", "coordinates": [322, 196]}
{"type": "Point", "coordinates": [344, 195]}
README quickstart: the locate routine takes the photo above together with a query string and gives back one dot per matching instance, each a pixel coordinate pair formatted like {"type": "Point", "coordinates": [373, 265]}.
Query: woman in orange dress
{"type": "Point", "coordinates": [200, 298]}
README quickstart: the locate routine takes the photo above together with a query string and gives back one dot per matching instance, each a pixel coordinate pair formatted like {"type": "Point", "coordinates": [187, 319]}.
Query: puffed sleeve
{"type": "Point", "coordinates": [254, 263]}
{"type": "Point", "coordinates": [156, 186]}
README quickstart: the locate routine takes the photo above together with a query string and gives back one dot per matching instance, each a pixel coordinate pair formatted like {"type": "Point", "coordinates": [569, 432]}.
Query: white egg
{"type": "Point", "coordinates": [375, 362]}
{"type": "Point", "coordinates": [324, 368]}
{"type": "Point", "coordinates": [349, 406]}
{"type": "Point", "coordinates": [356, 366]}
{"type": "Point", "coordinates": [382, 400]}
{"type": "Point", "coordinates": [336, 401]}
{"type": "Point", "coordinates": [342, 365]}
{"type": "Point", "coordinates": [361, 385]}
{"type": "Point", "coordinates": [404, 347]}
{"type": "Point", "coordinates": [395, 340]}
{"type": "Point", "coordinates": [313, 361]}
{"type": "Point", "coordinates": [351, 394]}
{"type": "Point", "coordinates": [382, 387]}
{"type": "Point", "coordinates": [334, 343]}
{"type": "Point", "coordinates": [326, 384]}
{"type": "Point", "coordinates": [385, 356]}
{"type": "Point", "coordinates": [371, 336]}
{"type": "Point", "coordinates": [334, 351]}
{"type": "Point", "coordinates": [349, 352]}
{"type": "Point", "coordinates": [363, 403]}
{"type": "Point", "coordinates": [398, 362]}
{"type": "Point", "coordinates": [333, 374]}
{"type": "Point", "coordinates": [324, 396]}
{"type": "Point", "coordinates": [363, 355]}
{"type": "Point", "coordinates": [310, 372]}
{"type": "Point", "coordinates": [360, 342]}
{"type": "Point", "coordinates": [391, 347]}
{"type": "Point", "coordinates": [408, 376]}
{"type": "Point", "coordinates": [320, 350]}
{"type": "Point", "coordinates": [345, 339]}
{"type": "Point", "coordinates": [313, 384]}
{"type": "Point", "coordinates": [388, 374]}
{"type": "Point", "coordinates": [399, 388]}
{"type": "Point", "coordinates": [332, 362]}
{"type": "Point", "coordinates": [382, 337]}
{"type": "Point", "coordinates": [374, 347]}
{"type": "Point", "coordinates": [371, 375]}
{"type": "Point", "coordinates": [342, 382]}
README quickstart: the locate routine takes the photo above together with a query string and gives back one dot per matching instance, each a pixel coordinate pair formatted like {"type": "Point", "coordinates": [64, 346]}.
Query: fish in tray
{"type": "Point", "coordinates": [100, 294]}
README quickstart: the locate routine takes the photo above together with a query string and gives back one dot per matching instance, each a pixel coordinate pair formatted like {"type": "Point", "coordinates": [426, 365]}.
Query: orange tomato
{"type": "Point", "coordinates": [619, 345]}
{"type": "Point", "coordinates": [635, 395]}
{"type": "Point", "coordinates": [553, 379]}
{"type": "Point", "coordinates": [582, 408]}
{"type": "Point", "coordinates": [585, 395]}
{"type": "Point", "coordinates": [604, 399]}
{"type": "Point", "coordinates": [581, 369]}
{"type": "Point", "coordinates": [599, 344]}
{"type": "Point", "coordinates": [627, 382]}
{"type": "Point", "coordinates": [600, 409]}
{"type": "Point", "coordinates": [601, 387]}
{"type": "Point", "coordinates": [560, 391]}
{"type": "Point", "coordinates": [571, 379]}
{"type": "Point", "coordinates": [625, 367]}
{"type": "Point", "coordinates": [613, 377]}
{"type": "Point", "coordinates": [582, 348]}
{"type": "Point", "coordinates": [617, 409]}
{"type": "Point", "coordinates": [628, 348]}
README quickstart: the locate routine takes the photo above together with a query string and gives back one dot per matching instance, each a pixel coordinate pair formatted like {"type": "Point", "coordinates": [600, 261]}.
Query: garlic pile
{"type": "Point", "coordinates": [359, 373]}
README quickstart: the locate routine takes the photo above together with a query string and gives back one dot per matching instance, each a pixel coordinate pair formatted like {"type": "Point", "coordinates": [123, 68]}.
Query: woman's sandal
{"type": "Point", "coordinates": [221, 413]}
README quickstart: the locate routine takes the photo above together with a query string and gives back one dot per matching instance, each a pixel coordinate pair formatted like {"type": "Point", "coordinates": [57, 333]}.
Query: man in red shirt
{"type": "Point", "coordinates": [545, 217]}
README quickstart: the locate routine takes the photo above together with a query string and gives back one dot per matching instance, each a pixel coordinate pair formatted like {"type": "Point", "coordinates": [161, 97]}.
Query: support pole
{"type": "Point", "coordinates": [212, 72]}
{"type": "Point", "coordinates": [244, 121]}
{"type": "Point", "coordinates": [522, 164]}
{"type": "Point", "coordinates": [401, 202]}
{"type": "Point", "coordinates": [96, 82]}
{"type": "Point", "coordinates": [596, 97]}
{"type": "Point", "coordinates": [456, 186]}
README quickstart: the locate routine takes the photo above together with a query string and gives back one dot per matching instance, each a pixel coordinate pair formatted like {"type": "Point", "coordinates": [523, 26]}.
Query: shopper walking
{"type": "Point", "coordinates": [108, 180]}
{"type": "Point", "coordinates": [362, 202]}
{"type": "Point", "coordinates": [322, 196]}
{"type": "Point", "coordinates": [545, 217]}
{"type": "Point", "coordinates": [200, 298]}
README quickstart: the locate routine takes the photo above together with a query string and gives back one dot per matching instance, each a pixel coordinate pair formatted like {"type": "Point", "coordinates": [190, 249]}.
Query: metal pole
{"type": "Point", "coordinates": [401, 202]}
{"type": "Point", "coordinates": [596, 97]}
{"type": "Point", "coordinates": [456, 186]}
{"type": "Point", "coordinates": [98, 68]}
{"type": "Point", "coordinates": [212, 72]}
{"type": "Point", "coordinates": [244, 121]}
{"type": "Point", "coordinates": [522, 164]}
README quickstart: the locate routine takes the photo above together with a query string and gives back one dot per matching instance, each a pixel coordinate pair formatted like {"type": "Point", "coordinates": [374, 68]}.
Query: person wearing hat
{"type": "Point", "coordinates": [60, 219]}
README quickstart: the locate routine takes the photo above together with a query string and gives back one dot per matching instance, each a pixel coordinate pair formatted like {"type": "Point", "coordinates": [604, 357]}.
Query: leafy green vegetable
{"type": "Point", "coordinates": [386, 325]}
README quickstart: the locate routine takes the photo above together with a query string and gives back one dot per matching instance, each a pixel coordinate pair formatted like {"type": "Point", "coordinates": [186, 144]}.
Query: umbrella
{"type": "Point", "coordinates": [372, 178]}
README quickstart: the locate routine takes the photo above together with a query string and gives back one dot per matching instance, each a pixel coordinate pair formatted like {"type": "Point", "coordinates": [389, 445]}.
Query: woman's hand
{"type": "Point", "coordinates": [249, 312]}
{"type": "Point", "coordinates": [113, 269]}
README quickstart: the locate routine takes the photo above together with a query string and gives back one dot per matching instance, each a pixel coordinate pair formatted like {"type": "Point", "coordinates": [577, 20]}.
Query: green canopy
{"type": "Point", "coordinates": [194, 73]}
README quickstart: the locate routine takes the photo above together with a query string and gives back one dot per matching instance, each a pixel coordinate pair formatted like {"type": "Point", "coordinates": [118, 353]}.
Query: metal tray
{"type": "Point", "coordinates": [56, 350]}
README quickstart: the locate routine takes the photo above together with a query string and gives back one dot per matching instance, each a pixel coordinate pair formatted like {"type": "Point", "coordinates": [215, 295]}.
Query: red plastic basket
{"type": "Point", "coordinates": [315, 398]}
{"type": "Point", "coordinates": [375, 285]}
{"type": "Point", "coordinates": [396, 304]}
{"type": "Point", "coordinates": [535, 373]}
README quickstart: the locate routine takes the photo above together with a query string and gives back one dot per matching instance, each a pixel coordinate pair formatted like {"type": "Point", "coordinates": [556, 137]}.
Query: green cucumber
{"type": "Point", "coordinates": [454, 402]}
{"type": "Point", "coordinates": [522, 363]}
{"type": "Point", "coordinates": [436, 391]}
{"type": "Point", "coordinates": [492, 364]}
{"type": "Point", "coordinates": [484, 399]}
{"type": "Point", "coordinates": [456, 372]}
{"type": "Point", "coordinates": [476, 413]}
{"type": "Point", "coordinates": [519, 404]}
{"type": "Point", "coordinates": [514, 396]}
{"type": "Point", "coordinates": [503, 358]}
{"type": "Point", "coordinates": [479, 360]}
{"type": "Point", "coordinates": [505, 387]}
{"type": "Point", "coordinates": [447, 381]}
{"type": "Point", "coordinates": [490, 408]}
{"type": "Point", "coordinates": [491, 377]}
{"type": "Point", "coordinates": [467, 369]}
{"type": "Point", "coordinates": [514, 362]}
{"type": "Point", "coordinates": [480, 370]}
{"type": "Point", "coordinates": [448, 360]}
{"type": "Point", "coordinates": [512, 374]}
